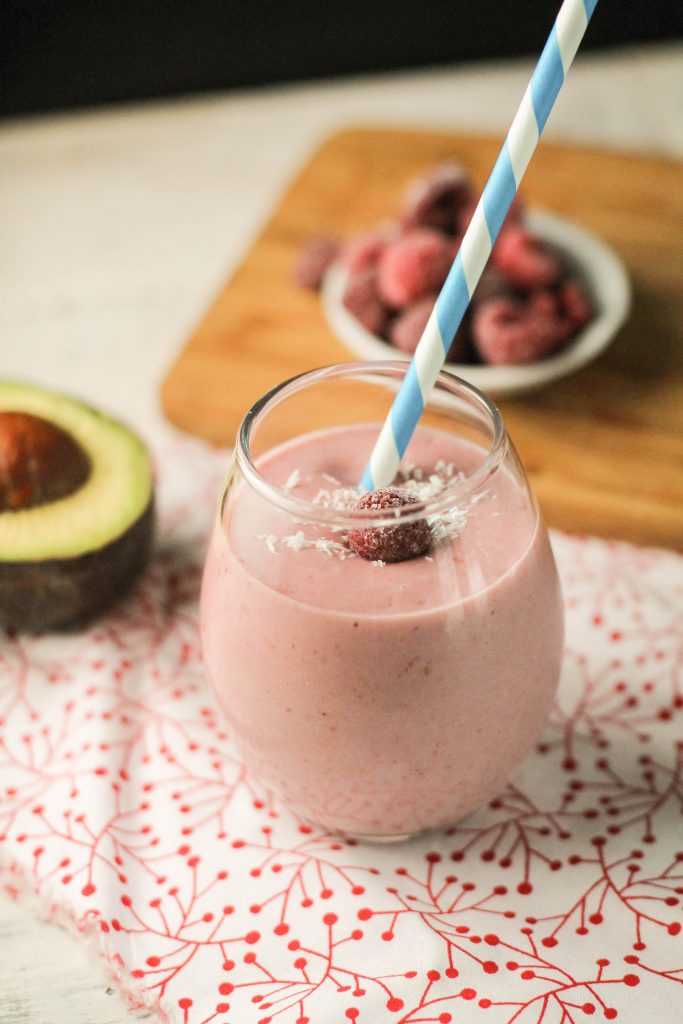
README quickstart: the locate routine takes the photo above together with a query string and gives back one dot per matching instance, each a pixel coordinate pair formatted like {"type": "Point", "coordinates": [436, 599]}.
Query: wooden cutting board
{"type": "Point", "coordinates": [603, 448]}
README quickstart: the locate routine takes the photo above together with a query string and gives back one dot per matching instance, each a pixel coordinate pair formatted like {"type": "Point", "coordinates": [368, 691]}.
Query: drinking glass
{"type": "Point", "coordinates": [379, 698]}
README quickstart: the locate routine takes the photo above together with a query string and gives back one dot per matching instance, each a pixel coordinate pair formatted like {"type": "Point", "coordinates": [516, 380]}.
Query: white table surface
{"type": "Point", "coordinates": [118, 226]}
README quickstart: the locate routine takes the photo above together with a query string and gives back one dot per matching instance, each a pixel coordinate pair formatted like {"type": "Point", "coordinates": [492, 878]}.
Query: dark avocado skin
{"type": "Point", "coordinates": [63, 593]}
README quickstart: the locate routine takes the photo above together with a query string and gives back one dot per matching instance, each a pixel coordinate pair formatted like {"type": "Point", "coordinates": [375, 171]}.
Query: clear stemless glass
{"type": "Point", "coordinates": [379, 698]}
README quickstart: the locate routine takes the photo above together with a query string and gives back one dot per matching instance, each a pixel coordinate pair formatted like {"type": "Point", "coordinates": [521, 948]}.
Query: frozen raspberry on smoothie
{"type": "Point", "coordinates": [390, 543]}
{"type": "Point", "coordinates": [510, 331]}
{"type": "Point", "coordinates": [525, 260]}
{"type": "Point", "coordinates": [414, 265]}
{"type": "Point", "coordinates": [436, 200]}
{"type": "Point", "coordinates": [361, 298]}
{"type": "Point", "coordinates": [363, 251]}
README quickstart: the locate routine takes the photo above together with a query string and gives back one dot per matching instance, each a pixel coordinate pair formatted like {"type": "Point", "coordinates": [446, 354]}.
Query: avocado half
{"type": "Point", "coordinates": [76, 509]}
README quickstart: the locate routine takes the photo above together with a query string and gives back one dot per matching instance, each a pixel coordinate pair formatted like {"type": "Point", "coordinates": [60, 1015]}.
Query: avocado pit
{"type": "Point", "coordinates": [39, 462]}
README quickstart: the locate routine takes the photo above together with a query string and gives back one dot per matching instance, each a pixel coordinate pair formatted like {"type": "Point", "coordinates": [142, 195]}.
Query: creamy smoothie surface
{"type": "Point", "coordinates": [382, 698]}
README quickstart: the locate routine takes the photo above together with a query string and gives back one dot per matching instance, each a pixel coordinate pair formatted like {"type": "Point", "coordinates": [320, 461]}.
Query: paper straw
{"type": "Point", "coordinates": [513, 159]}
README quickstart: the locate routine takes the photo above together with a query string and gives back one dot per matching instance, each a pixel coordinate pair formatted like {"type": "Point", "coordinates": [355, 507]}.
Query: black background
{"type": "Point", "coordinates": [56, 54]}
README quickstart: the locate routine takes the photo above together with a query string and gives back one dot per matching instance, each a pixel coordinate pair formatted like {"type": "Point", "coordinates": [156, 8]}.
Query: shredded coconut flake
{"type": "Point", "coordinates": [334, 547]}
{"type": "Point", "coordinates": [409, 471]}
{"type": "Point", "coordinates": [296, 541]}
{"type": "Point", "coordinates": [293, 480]}
{"type": "Point", "coordinates": [448, 525]}
{"type": "Point", "coordinates": [342, 498]}
{"type": "Point", "coordinates": [270, 540]}
{"type": "Point", "coordinates": [446, 469]}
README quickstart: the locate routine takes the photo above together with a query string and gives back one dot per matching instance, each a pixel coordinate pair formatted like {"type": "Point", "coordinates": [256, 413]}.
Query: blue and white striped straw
{"type": "Point", "coordinates": [512, 162]}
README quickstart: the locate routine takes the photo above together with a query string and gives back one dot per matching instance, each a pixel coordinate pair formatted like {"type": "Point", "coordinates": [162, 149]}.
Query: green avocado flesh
{"type": "Point", "coordinates": [115, 495]}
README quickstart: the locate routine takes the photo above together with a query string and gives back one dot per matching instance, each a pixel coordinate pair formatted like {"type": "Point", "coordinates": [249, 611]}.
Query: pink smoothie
{"type": "Point", "coordinates": [381, 699]}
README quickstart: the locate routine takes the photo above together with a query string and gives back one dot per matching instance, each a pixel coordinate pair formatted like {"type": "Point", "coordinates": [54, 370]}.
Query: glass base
{"type": "Point", "coordinates": [400, 837]}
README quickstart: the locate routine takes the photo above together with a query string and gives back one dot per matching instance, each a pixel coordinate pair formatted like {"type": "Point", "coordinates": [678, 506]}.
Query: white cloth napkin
{"type": "Point", "coordinates": [124, 809]}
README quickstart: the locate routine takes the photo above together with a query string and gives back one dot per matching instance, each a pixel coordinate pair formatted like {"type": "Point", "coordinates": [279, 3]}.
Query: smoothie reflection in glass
{"type": "Point", "coordinates": [379, 698]}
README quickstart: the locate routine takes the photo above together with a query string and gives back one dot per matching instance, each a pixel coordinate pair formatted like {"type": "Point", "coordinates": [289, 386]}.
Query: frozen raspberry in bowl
{"type": "Point", "coordinates": [407, 328]}
{"type": "Point", "coordinates": [438, 199]}
{"type": "Point", "coordinates": [314, 260]}
{"type": "Point", "coordinates": [414, 265]}
{"type": "Point", "coordinates": [581, 297]}
{"type": "Point", "coordinates": [515, 213]}
{"type": "Point", "coordinates": [575, 303]}
{"type": "Point", "coordinates": [511, 331]}
{"type": "Point", "coordinates": [363, 251]}
{"type": "Point", "coordinates": [361, 298]}
{"type": "Point", "coordinates": [390, 543]}
{"type": "Point", "coordinates": [492, 285]}
{"type": "Point", "coordinates": [526, 260]}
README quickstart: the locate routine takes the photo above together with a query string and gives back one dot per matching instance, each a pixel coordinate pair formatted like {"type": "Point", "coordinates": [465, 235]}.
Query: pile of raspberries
{"type": "Point", "coordinates": [528, 303]}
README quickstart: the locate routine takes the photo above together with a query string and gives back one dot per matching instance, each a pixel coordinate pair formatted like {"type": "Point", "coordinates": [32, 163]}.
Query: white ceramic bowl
{"type": "Point", "coordinates": [598, 267]}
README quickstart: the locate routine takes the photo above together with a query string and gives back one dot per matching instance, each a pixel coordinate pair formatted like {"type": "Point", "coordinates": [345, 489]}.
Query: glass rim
{"type": "Point", "coordinates": [453, 495]}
